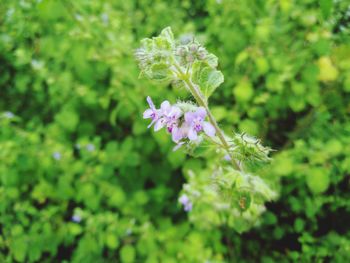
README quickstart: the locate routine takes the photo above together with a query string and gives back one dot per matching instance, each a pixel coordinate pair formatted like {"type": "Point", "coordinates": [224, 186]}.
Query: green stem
{"type": "Point", "coordinates": [199, 97]}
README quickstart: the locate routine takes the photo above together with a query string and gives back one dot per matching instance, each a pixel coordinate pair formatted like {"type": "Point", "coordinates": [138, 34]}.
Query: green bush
{"type": "Point", "coordinates": [82, 180]}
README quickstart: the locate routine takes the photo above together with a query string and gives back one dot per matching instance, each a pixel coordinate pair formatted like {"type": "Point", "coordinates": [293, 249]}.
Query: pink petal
{"type": "Point", "coordinates": [147, 114]}
{"type": "Point", "coordinates": [189, 116]}
{"type": "Point", "coordinates": [201, 112]}
{"type": "Point", "coordinates": [159, 124]}
{"type": "Point", "coordinates": [192, 135]}
{"type": "Point", "coordinates": [165, 106]}
{"type": "Point", "coordinates": [175, 112]}
{"type": "Point", "coordinates": [208, 129]}
{"type": "Point", "coordinates": [150, 102]}
{"type": "Point", "coordinates": [176, 134]}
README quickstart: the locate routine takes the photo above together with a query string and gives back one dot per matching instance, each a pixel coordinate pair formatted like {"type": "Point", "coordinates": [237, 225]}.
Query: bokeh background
{"type": "Point", "coordinates": [83, 180]}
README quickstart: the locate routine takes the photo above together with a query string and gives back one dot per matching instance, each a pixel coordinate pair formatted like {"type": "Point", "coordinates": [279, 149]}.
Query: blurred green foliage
{"type": "Point", "coordinates": [82, 180]}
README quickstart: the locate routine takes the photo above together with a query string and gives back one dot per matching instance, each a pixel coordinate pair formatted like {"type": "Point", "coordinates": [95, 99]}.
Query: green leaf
{"type": "Point", "coordinates": [262, 65]}
{"type": "Point", "coordinates": [212, 60]}
{"type": "Point", "coordinates": [68, 119]}
{"type": "Point", "coordinates": [167, 34]}
{"type": "Point", "coordinates": [243, 91]}
{"type": "Point", "coordinates": [347, 83]}
{"type": "Point", "coordinates": [241, 57]}
{"type": "Point", "coordinates": [318, 180]}
{"type": "Point", "coordinates": [19, 248]}
{"type": "Point", "coordinates": [299, 225]}
{"type": "Point", "coordinates": [75, 229]}
{"type": "Point", "coordinates": [211, 81]}
{"type": "Point", "coordinates": [127, 254]}
{"type": "Point", "coordinates": [160, 72]}
{"type": "Point", "coordinates": [326, 7]}
{"type": "Point", "coordinates": [334, 147]}
{"type": "Point", "coordinates": [112, 241]}
{"type": "Point", "coordinates": [206, 77]}
{"type": "Point", "coordinates": [240, 224]}
{"type": "Point", "coordinates": [328, 72]}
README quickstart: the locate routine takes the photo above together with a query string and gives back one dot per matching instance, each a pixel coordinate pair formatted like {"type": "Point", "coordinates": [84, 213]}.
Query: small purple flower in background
{"type": "Point", "coordinates": [57, 156]}
{"type": "Point", "coordinates": [152, 112]}
{"type": "Point", "coordinates": [9, 115]}
{"type": "Point", "coordinates": [105, 18]}
{"type": "Point", "coordinates": [78, 17]}
{"type": "Point", "coordinates": [186, 202]}
{"type": "Point", "coordinates": [227, 157]}
{"type": "Point", "coordinates": [76, 218]}
{"type": "Point", "coordinates": [196, 123]}
{"type": "Point", "coordinates": [90, 147]}
{"type": "Point", "coordinates": [37, 64]}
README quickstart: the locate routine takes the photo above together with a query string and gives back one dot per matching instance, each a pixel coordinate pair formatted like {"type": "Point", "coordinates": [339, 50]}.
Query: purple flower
{"type": "Point", "coordinates": [90, 147]}
{"type": "Point", "coordinates": [172, 119]}
{"type": "Point", "coordinates": [165, 108]}
{"type": "Point", "coordinates": [196, 123]}
{"type": "Point", "coordinates": [57, 156]}
{"type": "Point", "coordinates": [178, 133]}
{"type": "Point", "coordinates": [227, 157]}
{"type": "Point", "coordinates": [128, 232]}
{"type": "Point", "coordinates": [76, 218]}
{"type": "Point", "coordinates": [152, 112]}
{"type": "Point", "coordinates": [105, 18]}
{"type": "Point", "coordinates": [169, 118]}
{"type": "Point", "coordinates": [186, 202]}
{"type": "Point", "coordinates": [9, 115]}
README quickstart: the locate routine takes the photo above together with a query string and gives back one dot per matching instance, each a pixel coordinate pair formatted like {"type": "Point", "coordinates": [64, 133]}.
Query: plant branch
{"type": "Point", "coordinates": [197, 94]}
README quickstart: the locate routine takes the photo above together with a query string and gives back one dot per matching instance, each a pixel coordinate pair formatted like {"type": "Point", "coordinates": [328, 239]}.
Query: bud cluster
{"type": "Point", "coordinates": [155, 56]}
{"type": "Point", "coordinates": [188, 53]}
{"type": "Point", "coordinates": [158, 55]}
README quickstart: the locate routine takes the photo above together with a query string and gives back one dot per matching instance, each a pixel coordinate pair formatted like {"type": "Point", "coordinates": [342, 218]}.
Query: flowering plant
{"type": "Point", "coordinates": [234, 195]}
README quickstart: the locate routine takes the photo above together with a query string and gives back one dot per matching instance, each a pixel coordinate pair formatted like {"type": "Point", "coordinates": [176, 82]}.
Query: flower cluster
{"type": "Point", "coordinates": [180, 124]}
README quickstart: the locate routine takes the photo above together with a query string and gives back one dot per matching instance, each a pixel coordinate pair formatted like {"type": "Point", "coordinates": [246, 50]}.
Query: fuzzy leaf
{"type": "Point", "coordinates": [167, 34]}
{"type": "Point", "coordinates": [212, 60]}
{"type": "Point", "coordinates": [206, 77]}
{"type": "Point", "coordinates": [242, 200]}
{"type": "Point", "coordinates": [161, 72]}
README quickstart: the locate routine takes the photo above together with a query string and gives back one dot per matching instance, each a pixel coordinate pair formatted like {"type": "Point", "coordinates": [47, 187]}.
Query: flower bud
{"type": "Point", "coordinates": [189, 58]}
{"type": "Point", "coordinates": [181, 51]}
{"type": "Point", "coordinates": [249, 149]}
{"type": "Point", "coordinates": [201, 54]}
{"type": "Point", "coordinates": [193, 47]}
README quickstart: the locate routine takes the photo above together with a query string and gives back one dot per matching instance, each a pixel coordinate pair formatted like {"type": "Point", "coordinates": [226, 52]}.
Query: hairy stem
{"type": "Point", "coordinates": [197, 94]}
